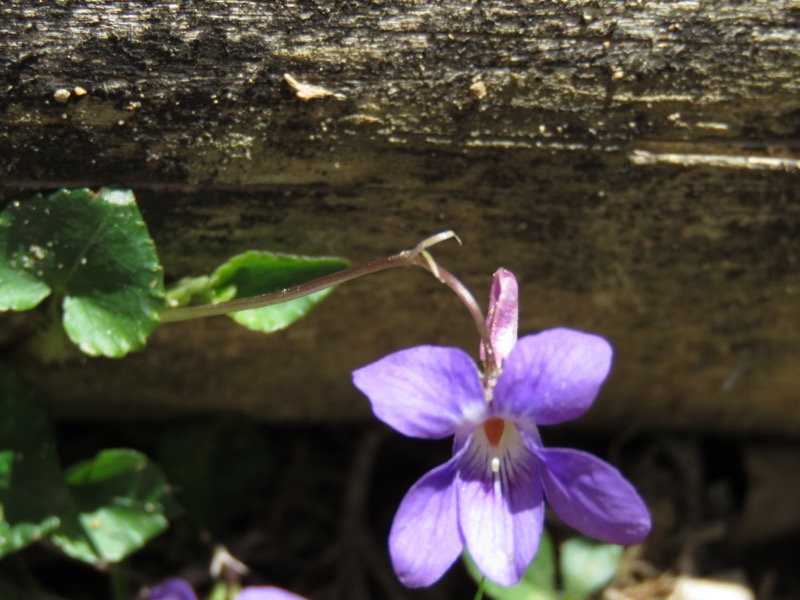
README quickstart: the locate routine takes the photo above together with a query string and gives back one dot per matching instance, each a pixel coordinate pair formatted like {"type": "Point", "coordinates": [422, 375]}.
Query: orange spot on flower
{"type": "Point", "coordinates": [494, 430]}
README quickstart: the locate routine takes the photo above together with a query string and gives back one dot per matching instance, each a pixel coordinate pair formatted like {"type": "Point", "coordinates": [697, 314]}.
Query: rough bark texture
{"type": "Point", "coordinates": [634, 163]}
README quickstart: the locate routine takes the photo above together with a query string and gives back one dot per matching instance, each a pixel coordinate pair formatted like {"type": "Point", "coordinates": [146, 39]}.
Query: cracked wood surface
{"type": "Point", "coordinates": [635, 163]}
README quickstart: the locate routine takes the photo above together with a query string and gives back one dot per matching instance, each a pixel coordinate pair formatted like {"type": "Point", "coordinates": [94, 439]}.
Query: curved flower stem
{"type": "Point", "coordinates": [401, 259]}
{"type": "Point", "coordinates": [426, 262]}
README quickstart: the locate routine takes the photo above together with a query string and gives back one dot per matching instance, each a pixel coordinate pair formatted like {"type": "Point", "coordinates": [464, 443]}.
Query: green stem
{"type": "Point", "coordinates": [119, 589]}
{"type": "Point", "coordinates": [481, 586]}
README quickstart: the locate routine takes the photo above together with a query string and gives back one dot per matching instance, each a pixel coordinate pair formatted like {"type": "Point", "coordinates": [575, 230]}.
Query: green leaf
{"type": "Point", "coordinates": [188, 289]}
{"type": "Point", "coordinates": [32, 490]}
{"type": "Point", "coordinates": [121, 503]}
{"type": "Point", "coordinates": [100, 511]}
{"type": "Point", "coordinates": [254, 273]}
{"type": "Point", "coordinates": [537, 583]}
{"type": "Point", "coordinates": [92, 255]}
{"type": "Point", "coordinates": [588, 566]}
{"type": "Point", "coordinates": [279, 316]}
{"type": "Point", "coordinates": [19, 289]}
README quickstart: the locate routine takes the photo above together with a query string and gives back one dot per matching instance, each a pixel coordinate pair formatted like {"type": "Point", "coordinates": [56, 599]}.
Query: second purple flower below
{"type": "Point", "coordinates": [490, 495]}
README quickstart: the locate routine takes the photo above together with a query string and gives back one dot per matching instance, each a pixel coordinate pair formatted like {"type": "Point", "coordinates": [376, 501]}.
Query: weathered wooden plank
{"type": "Point", "coordinates": [196, 92]}
{"type": "Point", "coordinates": [636, 163]}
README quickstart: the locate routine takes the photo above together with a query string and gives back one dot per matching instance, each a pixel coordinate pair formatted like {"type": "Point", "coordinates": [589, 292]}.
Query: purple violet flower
{"type": "Point", "coordinates": [172, 589]}
{"type": "Point", "coordinates": [490, 495]}
{"type": "Point", "coordinates": [179, 589]}
{"type": "Point", "coordinates": [266, 593]}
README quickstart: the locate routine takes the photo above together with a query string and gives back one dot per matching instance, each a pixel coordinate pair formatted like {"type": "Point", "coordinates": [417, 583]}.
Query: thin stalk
{"type": "Point", "coordinates": [186, 313]}
{"type": "Point", "coordinates": [119, 588]}
{"type": "Point", "coordinates": [401, 259]}
{"type": "Point", "coordinates": [426, 262]}
{"type": "Point", "coordinates": [417, 256]}
{"type": "Point", "coordinates": [481, 587]}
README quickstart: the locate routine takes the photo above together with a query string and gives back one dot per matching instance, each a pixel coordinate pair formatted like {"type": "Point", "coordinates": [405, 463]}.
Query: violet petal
{"type": "Point", "coordinates": [425, 392]}
{"type": "Point", "coordinates": [503, 315]}
{"type": "Point", "coordinates": [172, 589]}
{"type": "Point", "coordinates": [266, 593]}
{"type": "Point", "coordinates": [501, 514]}
{"type": "Point", "coordinates": [593, 497]}
{"type": "Point", "coordinates": [425, 541]}
{"type": "Point", "coordinates": [553, 376]}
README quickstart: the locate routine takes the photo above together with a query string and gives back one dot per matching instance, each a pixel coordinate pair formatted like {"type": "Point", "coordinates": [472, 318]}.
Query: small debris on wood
{"type": "Point", "coordinates": [307, 91]}
{"type": "Point", "coordinates": [61, 95]}
{"type": "Point", "coordinates": [79, 91]}
{"type": "Point", "coordinates": [478, 89]}
{"type": "Point", "coordinates": [723, 161]}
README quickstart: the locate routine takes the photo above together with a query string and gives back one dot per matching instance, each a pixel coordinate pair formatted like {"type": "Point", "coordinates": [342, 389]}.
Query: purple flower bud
{"type": "Point", "coordinates": [503, 315]}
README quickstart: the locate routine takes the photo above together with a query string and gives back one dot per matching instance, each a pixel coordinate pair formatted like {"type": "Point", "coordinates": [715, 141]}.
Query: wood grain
{"type": "Point", "coordinates": [634, 162]}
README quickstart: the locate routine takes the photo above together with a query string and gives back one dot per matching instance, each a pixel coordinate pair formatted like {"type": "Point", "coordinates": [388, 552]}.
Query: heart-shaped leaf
{"type": "Point", "coordinates": [92, 255]}
{"type": "Point", "coordinates": [254, 273]}
{"type": "Point", "coordinates": [99, 512]}
{"type": "Point", "coordinates": [121, 502]}
{"type": "Point", "coordinates": [588, 566]}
